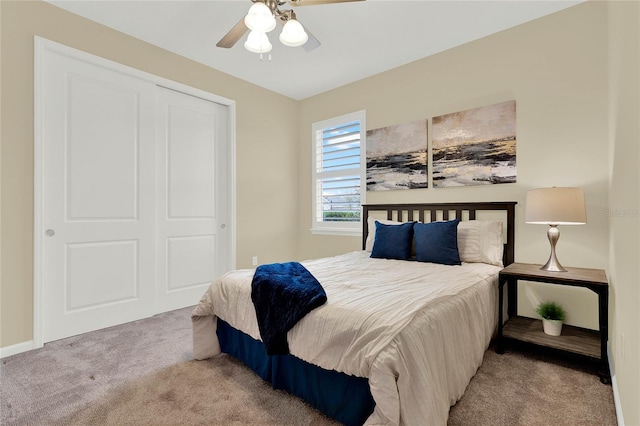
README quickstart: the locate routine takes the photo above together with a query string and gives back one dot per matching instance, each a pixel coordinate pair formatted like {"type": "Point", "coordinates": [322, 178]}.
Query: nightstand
{"type": "Point", "coordinates": [576, 340]}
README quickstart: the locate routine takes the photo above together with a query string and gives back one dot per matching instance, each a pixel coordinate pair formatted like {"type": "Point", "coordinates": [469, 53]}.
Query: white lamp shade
{"type": "Point", "coordinates": [260, 18]}
{"type": "Point", "coordinates": [257, 42]}
{"type": "Point", "coordinates": [293, 34]}
{"type": "Point", "coordinates": [556, 206]}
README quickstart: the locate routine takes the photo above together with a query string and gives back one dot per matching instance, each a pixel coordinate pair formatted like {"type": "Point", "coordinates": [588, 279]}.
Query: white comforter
{"type": "Point", "coordinates": [417, 331]}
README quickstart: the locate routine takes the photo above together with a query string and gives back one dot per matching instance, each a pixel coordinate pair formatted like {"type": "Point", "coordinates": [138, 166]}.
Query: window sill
{"type": "Point", "coordinates": [345, 232]}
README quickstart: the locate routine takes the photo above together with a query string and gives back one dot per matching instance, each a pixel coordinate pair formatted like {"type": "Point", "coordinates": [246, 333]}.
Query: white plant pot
{"type": "Point", "coordinates": [552, 327]}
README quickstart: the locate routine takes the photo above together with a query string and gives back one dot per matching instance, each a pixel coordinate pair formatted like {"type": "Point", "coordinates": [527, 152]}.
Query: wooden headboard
{"type": "Point", "coordinates": [428, 212]}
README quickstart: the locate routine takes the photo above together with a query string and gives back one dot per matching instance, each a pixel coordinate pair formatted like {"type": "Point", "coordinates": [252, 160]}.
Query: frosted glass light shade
{"type": "Point", "coordinates": [556, 206]}
{"type": "Point", "coordinates": [260, 18]}
{"type": "Point", "coordinates": [258, 42]}
{"type": "Point", "coordinates": [293, 34]}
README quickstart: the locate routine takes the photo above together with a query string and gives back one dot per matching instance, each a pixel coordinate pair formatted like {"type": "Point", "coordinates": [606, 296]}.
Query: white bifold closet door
{"type": "Point", "coordinates": [134, 190]}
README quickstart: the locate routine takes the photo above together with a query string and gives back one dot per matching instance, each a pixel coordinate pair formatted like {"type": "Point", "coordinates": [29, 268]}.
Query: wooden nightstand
{"type": "Point", "coordinates": [576, 340]}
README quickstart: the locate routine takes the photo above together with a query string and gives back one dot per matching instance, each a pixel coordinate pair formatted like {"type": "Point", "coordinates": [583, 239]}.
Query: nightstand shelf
{"type": "Point", "coordinates": [576, 340]}
{"type": "Point", "coordinates": [573, 339]}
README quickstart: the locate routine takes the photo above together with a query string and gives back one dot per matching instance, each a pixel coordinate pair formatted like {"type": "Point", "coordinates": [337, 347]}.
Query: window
{"type": "Point", "coordinates": [338, 174]}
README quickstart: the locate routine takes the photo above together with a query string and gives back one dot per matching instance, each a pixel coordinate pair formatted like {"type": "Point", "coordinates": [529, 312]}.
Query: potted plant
{"type": "Point", "coordinates": [552, 317]}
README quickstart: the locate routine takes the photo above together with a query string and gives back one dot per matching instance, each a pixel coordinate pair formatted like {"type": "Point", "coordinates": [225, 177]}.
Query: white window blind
{"type": "Point", "coordinates": [338, 180]}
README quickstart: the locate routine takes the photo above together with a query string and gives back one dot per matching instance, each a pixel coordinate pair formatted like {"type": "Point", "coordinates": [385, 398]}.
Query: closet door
{"type": "Point", "coordinates": [98, 180]}
{"type": "Point", "coordinates": [132, 193]}
{"type": "Point", "coordinates": [192, 197]}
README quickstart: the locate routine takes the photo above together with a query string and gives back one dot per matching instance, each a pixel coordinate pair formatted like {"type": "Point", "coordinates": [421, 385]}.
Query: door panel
{"type": "Point", "coordinates": [100, 273]}
{"type": "Point", "coordinates": [192, 189]}
{"type": "Point", "coordinates": [190, 261]}
{"type": "Point", "coordinates": [102, 124]}
{"type": "Point", "coordinates": [190, 136]}
{"type": "Point", "coordinates": [98, 200]}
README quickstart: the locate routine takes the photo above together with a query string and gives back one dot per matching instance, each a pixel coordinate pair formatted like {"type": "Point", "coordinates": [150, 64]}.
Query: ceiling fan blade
{"type": "Point", "coordinates": [233, 35]}
{"type": "Point", "coordinates": [314, 2]}
{"type": "Point", "coordinates": [312, 43]}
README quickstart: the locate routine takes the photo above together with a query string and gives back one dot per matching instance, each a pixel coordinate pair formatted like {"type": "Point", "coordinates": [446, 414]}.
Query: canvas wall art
{"type": "Point", "coordinates": [475, 147]}
{"type": "Point", "coordinates": [397, 157]}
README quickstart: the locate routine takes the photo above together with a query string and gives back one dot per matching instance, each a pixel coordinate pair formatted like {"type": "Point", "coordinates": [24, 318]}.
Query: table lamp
{"type": "Point", "coordinates": [553, 207]}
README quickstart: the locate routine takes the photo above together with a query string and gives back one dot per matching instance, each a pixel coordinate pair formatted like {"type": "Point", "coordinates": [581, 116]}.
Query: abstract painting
{"type": "Point", "coordinates": [397, 157]}
{"type": "Point", "coordinates": [475, 147]}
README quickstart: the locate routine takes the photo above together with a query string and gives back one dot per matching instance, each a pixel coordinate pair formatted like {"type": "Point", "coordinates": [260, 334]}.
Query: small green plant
{"type": "Point", "coordinates": [551, 311]}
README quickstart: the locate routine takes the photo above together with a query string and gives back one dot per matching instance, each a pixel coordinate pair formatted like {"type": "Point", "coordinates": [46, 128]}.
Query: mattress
{"type": "Point", "coordinates": [417, 331]}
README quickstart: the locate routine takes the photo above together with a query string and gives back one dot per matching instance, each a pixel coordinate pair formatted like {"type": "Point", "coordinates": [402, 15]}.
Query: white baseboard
{"type": "Point", "coordinates": [16, 349]}
{"type": "Point", "coordinates": [614, 386]}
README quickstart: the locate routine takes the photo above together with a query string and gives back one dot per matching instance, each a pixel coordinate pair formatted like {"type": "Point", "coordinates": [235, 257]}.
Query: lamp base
{"type": "Point", "coordinates": [552, 264]}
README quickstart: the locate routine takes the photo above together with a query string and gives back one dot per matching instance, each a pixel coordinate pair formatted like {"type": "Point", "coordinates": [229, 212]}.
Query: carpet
{"type": "Point", "coordinates": [215, 392]}
{"type": "Point", "coordinates": [141, 373]}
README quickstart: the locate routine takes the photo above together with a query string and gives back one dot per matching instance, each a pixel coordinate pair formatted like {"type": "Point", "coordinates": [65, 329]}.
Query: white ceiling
{"type": "Point", "coordinates": [359, 39]}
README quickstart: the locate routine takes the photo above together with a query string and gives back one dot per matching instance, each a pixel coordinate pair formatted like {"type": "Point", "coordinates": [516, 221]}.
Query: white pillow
{"type": "Point", "coordinates": [371, 235]}
{"type": "Point", "coordinates": [480, 241]}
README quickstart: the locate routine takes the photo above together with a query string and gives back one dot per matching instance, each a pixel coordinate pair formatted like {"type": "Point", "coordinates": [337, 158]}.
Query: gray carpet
{"type": "Point", "coordinates": [141, 373]}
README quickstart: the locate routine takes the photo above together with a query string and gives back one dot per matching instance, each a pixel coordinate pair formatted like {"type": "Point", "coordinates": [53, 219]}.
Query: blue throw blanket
{"type": "Point", "coordinates": [283, 293]}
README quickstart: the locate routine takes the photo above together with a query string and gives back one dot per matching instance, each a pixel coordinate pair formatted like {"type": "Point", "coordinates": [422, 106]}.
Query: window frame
{"type": "Point", "coordinates": [338, 228]}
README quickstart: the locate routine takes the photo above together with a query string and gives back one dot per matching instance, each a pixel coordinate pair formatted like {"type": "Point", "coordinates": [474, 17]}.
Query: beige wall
{"type": "Point", "coordinates": [266, 201]}
{"type": "Point", "coordinates": [576, 78]}
{"type": "Point", "coordinates": [556, 70]}
{"type": "Point", "coordinates": [573, 74]}
{"type": "Point", "coordinates": [624, 202]}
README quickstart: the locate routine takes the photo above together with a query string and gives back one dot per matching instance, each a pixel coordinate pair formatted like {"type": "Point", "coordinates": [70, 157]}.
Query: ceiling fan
{"type": "Point", "coordinates": [262, 18]}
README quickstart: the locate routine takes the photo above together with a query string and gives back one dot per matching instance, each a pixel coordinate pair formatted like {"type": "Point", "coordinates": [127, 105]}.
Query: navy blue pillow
{"type": "Point", "coordinates": [393, 241]}
{"type": "Point", "coordinates": [437, 242]}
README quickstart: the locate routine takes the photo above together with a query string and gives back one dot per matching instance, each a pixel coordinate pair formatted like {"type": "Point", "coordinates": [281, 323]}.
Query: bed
{"type": "Point", "coordinates": [397, 341]}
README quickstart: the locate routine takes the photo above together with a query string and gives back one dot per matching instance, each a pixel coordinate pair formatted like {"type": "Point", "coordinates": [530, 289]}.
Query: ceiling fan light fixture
{"type": "Point", "coordinates": [293, 34]}
{"type": "Point", "coordinates": [260, 18]}
{"type": "Point", "coordinates": [258, 42]}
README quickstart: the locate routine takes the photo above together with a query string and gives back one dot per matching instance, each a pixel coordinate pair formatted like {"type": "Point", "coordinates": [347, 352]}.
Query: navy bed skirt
{"type": "Point", "coordinates": [344, 398]}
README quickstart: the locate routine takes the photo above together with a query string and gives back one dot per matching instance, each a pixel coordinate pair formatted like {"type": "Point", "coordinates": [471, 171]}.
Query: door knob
{"type": "Point", "coordinates": [49, 232]}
